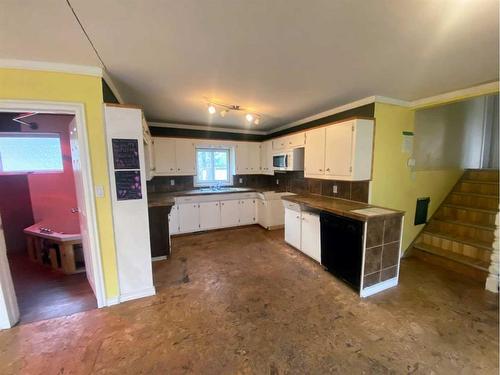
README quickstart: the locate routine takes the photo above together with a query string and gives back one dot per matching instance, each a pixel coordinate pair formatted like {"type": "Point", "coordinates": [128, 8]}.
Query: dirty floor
{"type": "Point", "coordinates": [240, 301]}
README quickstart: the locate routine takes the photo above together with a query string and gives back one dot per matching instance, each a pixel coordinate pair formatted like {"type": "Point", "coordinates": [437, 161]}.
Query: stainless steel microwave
{"type": "Point", "coordinates": [290, 160]}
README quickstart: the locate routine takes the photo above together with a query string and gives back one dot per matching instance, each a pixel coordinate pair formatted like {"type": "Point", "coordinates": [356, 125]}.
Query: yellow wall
{"type": "Point", "coordinates": [393, 184]}
{"type": "Point", "coordinates": [62, 87]}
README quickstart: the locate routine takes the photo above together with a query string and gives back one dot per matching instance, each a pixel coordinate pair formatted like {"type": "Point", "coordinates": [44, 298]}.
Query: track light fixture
{"type": "Point", "coordinates": [224, 109]}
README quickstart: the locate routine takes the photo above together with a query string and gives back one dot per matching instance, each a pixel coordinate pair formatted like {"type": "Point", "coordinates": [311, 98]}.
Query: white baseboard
{"type": "Point", "coordinates": [139, 294]}
{"type": "Point", "coordinates": [374, 289]}
{"type": "Point", "coordinates": [112, 301]}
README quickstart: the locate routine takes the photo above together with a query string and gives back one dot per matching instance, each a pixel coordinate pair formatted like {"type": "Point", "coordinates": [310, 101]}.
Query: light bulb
{"type": "Point", "coordinates": [249, 117]}
{"type": "Point", "coordinates": [211, 109]}
{"type": "Point", "coordinates": [257, 120]}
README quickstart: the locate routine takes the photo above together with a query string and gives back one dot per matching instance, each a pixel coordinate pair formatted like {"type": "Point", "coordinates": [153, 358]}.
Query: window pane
{"type": "Point", "coordinates": [24, 153]}
{"type": "Point", "coordinates": [212, 166]}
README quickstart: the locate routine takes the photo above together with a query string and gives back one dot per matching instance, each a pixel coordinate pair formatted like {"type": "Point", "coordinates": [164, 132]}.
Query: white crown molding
{"type": "Point", "coordinates": [205, 128]}
{"type": "Point", "coordinates": [51, 67]}
{"type": "Point", "coordinates": [457, 94]}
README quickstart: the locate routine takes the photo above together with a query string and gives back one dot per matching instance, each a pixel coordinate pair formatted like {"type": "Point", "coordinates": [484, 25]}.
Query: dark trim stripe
{"type": "Point", "coordinates": [367, 110]}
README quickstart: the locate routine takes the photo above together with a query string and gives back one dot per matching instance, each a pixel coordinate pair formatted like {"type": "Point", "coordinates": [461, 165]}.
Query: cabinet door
{"type": "Point", "coordinates": [314, 162]}
{"type": "Point", "coordinates": [247, 211]}
{"type": "Point", "coordinates": [189, 217]}
{"type": "Point", "coordinates": [310, 236]}
{"type": "Point", "coordinates": [266, 158]}
{"type": "Point", "coordinates": [253, 157]}
{"type": "Point", "coordinates": [279, 143]}
{"type": "Point", "coordinates": [295, 140]}
{"type": "Point", "coordinates": [164, 156]}
{"type": "Point", "coordinates": [173, 220]}
{"type": "Point", "coordinates": [262, 217]}
{"type": "Point", "coordinates": [241, 151]}
{"type": "Point", "coordinates": [209, 215]}
{"type": "Point", "coordinates": [292, 227]}
{"type": "Point", "coordinates": [185, 157]}
{"type": "Point", "coordinates": [229, 213]}
{"type": "Point", "coordinates": [338, 155]}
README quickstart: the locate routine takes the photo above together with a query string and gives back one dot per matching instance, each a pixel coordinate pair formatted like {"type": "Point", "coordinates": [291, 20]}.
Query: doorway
{"type": "Point", "coordinates": [51, 243]}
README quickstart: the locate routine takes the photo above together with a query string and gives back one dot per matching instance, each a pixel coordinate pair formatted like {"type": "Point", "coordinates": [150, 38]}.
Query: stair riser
{"type": "Point", "coordinates": [468, 216]}
{"type": "Point", "coordinates": [465, 270]}
{"type": "Point", "coordinates": [458, 230]}
{"type": "Point", "coordinates": [467, 187]}
{"type": "Point", "coordinates": [481, 175]}
{"type": "Point", "coordinates": [485, 203]}
{"type": "Point", "coordinates": [456, 247]}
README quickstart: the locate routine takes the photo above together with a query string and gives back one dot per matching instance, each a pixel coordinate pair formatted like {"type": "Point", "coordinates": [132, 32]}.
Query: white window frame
{"type": "Point", "coordinates": [229, 181]}
{"type": "Point", "coordinates": [34, 135]}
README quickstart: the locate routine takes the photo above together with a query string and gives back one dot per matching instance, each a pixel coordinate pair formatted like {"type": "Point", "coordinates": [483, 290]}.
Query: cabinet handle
{"type": "Point", "coordinates": [328, 169]}
{"type": "Point", "coordinates": [321, 170]}
{"type": "Point", "coordinates": [178, 169]}
{"type": "Point", "coordinates": [297, 217]}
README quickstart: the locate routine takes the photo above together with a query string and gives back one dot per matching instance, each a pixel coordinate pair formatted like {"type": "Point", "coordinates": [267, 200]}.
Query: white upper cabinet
{"type": "Point", "coordinates": [341, 151]}
{"type": "Point", "coordinates": [295, 140]}
{"type": "Point", "coordinates": [174, 157]}
{"type": "Point", "coordinates": [164, 155]}
{"type": "Point", "coordinates": [338, 151]}
{"type": "Point", "coordinates": [247, 158]}
{"type": "Point", "coordinates": [266, 158]}
{"type": "Point", "coordinates": [314, 154]}
{"type": "Point", "coordinates": [290, 141]}
{"type": "Point", "coordinates": [185, 156]}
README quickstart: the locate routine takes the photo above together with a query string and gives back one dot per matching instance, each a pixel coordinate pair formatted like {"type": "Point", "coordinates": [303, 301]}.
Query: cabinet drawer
{"type": "Point", "coordinates": [291, 206]}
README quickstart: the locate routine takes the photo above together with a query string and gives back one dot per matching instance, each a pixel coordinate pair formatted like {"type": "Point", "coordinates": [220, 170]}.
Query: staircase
{"type": "Point", "coordinates": [460, 235]}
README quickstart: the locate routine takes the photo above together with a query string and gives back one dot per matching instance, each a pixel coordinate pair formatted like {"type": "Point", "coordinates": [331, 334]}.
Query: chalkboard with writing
{"type": "Point", "coordinates": [128, 185]}
{"type": "Point", "coordinates": [125, 153]}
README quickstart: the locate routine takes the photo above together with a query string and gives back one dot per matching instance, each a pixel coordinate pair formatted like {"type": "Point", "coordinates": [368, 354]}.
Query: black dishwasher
{"type": "Point", "coordinates": [342, 247]}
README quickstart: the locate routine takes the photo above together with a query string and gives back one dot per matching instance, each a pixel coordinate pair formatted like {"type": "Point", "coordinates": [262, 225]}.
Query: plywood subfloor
{"type": "Point", "coordinates": [43, 293]}
{"type": "Point", "coordinates": [240, 301]}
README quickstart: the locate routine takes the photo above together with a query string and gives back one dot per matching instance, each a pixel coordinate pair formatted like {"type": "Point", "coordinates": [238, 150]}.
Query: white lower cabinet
{"type": "Point", "coordinates": [292, 227]}
{"type": "Point", "coordinates": [247, 214]}
{"type": "Point", "coordinates": [310, 243]}
{"type": "Point", "coordinates": [303, 231]}
{"type": "Point", "coordinates": [229, 213]}
{"type": "Point", "coordinates": [173, 220]}
{"type": "Point", "coordinates": [189, 217]}
{"type": "Point", "coordinates": [210, 215]}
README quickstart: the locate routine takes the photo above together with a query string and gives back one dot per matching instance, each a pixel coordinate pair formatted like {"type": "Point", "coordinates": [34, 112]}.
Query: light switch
{"type": "Point", "coordinates": [99, 191]}
{"type": "Point", "coordinates": [172, 182]}
{"type": "Point", "coordinates": [335, 190]}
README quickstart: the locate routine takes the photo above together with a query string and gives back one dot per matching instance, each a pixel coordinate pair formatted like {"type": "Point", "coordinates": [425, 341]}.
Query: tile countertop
{"type": "Point", "coordinates": [168, 199]}
{"type": "Point", "coordinates": [355, 210]}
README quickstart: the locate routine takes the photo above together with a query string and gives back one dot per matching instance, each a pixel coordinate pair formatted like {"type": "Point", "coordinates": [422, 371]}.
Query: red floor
{"type": "Point", "coordinates": [43, 293]}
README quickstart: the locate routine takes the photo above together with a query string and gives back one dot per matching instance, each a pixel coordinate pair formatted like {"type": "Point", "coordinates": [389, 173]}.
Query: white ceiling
{"type": "Point", "coordinates": [286, 59]}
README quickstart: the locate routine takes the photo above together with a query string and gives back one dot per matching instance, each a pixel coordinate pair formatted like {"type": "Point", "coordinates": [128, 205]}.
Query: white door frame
{"type": "Point", "coordinates": [77, 110]}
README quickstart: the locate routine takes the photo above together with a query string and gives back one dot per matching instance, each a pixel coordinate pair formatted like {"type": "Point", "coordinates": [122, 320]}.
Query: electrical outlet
{"type": "Point", "coordinates": [240, 180]}
{"type": "Point", "coordinates": [335, 190]}
{"type": "Point", "coordinates": [277, 182]}
{"type": "Point", "coordinates": [172, 182]}
{"type": "Point", "coordinates": [99, 191]}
